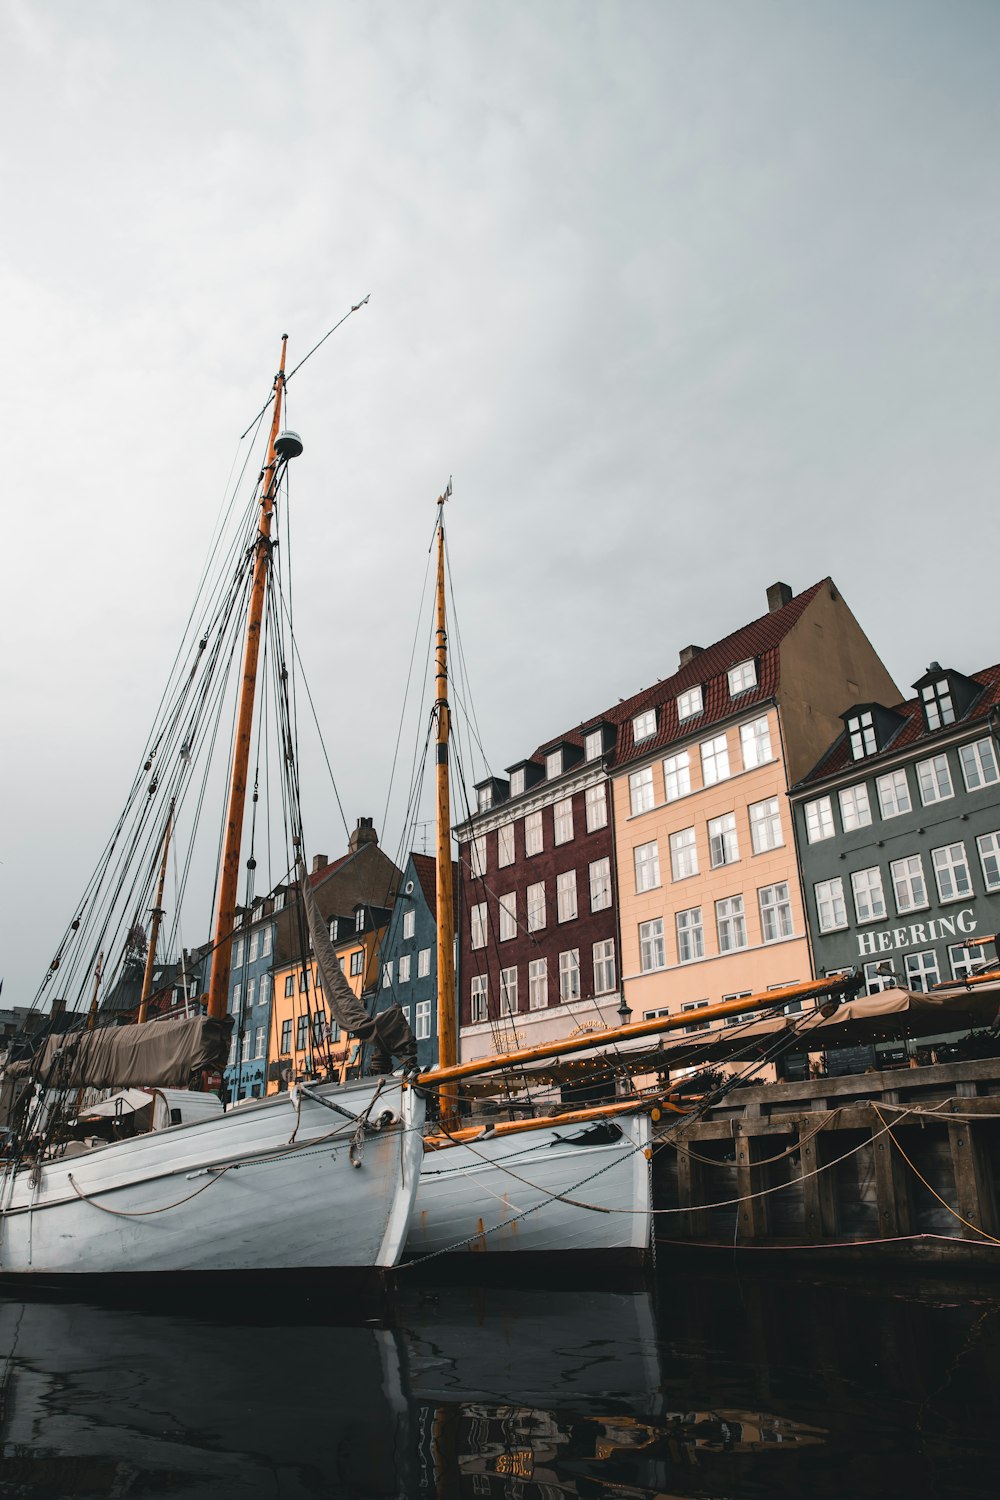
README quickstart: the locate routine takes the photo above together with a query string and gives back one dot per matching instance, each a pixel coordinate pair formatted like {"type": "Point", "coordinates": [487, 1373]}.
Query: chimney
{"type": "Point", "coordinates": [688, 653]}
{"type": "Point", "coordinates": [363, 834]}
{"type": "Point", "coordinates": [58, 1005]}
{"type": "Point", "coordinates": [778, 595]}
{"type": "Point", "coordinates": [320, 862]}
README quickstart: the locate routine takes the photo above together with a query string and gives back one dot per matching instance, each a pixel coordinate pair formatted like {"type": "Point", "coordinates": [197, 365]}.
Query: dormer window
{"type": "Point", "coordinates": [644, 726]}
{"type": "Point", "coordinates": [593, 745]}
{"type": "Point", "coordinates": [334, 932]}
{"type": "Point", "coordinates": [861, 731]}
{"type": "Point", "coordinates": [742, 677]}
{"type": "Point", "coordinates": [516, 783]}
{"type": "Point", "coordinates": [359, 920]}
{"type": "Point", "coordinates": [939, 707]}
{"type": "Point", "coordinates": [484, 798]}
{"type": "Point", "coordinates": [554, 763]}
{"type": "Point", "coordinates": [689, 703]}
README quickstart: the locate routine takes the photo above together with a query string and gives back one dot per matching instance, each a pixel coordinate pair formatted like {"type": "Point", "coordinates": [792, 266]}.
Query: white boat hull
{"type": "Point", "coordinates": [232, 1193]}
{"type": "Point", "coordinates": [497, 1194]}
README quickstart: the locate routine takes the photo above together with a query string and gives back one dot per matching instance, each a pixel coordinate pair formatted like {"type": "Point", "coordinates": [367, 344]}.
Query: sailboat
{"type": "Point", "coordinates": [578, 1182]}
{"type": "Point", "coordinates": [320, 1176]}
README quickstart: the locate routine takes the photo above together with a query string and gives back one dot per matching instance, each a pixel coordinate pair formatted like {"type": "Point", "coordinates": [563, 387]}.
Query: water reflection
{"type": "Point", "coordinates": [703, 1386]}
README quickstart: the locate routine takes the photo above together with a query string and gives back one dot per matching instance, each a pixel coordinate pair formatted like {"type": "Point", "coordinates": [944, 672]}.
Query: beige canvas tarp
{"type": "Point", "coordinates": [160, 1054]}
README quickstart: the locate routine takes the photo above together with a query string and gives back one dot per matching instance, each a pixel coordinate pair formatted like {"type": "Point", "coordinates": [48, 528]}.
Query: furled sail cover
{"type": "Point", "coordinates": [389, 1030]}
{"type": "Point", "coordinates": [160, 1054]}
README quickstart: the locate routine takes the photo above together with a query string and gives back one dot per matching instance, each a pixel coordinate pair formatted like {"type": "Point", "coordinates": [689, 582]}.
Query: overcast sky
{"type": "Point", "coordinates": [687, 296]}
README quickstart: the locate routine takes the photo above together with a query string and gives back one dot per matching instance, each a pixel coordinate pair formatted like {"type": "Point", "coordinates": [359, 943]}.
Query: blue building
{"type": "Point", "coordinates": [250, 997]}
{"type": "Point", "coordinates": [408, 955]}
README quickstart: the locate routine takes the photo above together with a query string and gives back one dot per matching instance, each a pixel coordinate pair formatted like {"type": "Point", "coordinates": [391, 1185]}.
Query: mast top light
{"type": "Point", "coordinates": [288, 444]}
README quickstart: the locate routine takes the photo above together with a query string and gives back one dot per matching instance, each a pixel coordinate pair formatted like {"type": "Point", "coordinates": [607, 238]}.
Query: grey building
{"type": "Point", "coordinates": [898, 832]}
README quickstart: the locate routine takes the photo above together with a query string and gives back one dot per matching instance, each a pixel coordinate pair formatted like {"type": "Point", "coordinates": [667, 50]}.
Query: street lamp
{"type": "Point", "coordinates": [624, 1013]}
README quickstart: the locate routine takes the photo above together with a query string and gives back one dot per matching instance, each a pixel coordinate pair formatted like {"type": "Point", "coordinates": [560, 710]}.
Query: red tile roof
{"type": "Point", "coordinates": [425, 866]}
{"type": "Point", "coordinates": [912, 731]}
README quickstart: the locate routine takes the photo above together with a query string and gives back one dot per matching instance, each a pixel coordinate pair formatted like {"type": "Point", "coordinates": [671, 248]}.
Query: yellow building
{"type": "Point", "coordinates": [304, 1042]}
{"type": "Point", "coordinates": [709, 897]}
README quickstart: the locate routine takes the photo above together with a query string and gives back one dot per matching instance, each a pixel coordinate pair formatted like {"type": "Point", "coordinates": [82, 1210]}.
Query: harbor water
{"type": "Point", "coordinates": [721, 1385]}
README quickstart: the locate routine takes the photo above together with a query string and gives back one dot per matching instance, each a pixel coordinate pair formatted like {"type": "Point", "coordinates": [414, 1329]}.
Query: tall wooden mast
{"type": "Point", "coordinates": [154, 930]}
{"type": "Point", "coordinates": [218, 989]}
{"type": "Point", "coordinates": [447, 1020]}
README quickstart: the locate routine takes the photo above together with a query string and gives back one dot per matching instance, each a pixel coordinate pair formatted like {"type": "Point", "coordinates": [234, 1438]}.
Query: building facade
{"type": "Point", "coordinates": [250, 986]}
{"type": "Point", "coordinates": [898, 829]}
{"type": "Point", "coordinates": [408, 955]}
{"type": "Point", "coordinates": [709, 897]}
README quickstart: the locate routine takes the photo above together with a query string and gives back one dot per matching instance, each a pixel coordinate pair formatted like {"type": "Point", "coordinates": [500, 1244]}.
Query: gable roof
{"type": "Point", "coordinates": [425, 869]}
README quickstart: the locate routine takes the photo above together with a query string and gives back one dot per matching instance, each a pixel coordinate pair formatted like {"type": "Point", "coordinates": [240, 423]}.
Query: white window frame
{"type": "Point", "coordinates": [538, 983]}
{"type": "Point", "coordinates": [259, 1042]}
{"type": "Point", "coordinates": [517, 782]}
{"type": "Point", "coordinates": [409, 923]}
{"type": "Point", "coordinates": [569, 975]}
{"type": "Point", "coordinates": [864, 890]}
{"type": "Point", "coordinates": [731, 924]}
{"type": "Point", "coordinates": [600, 884]}
{"type": "Point", "coordinates": [683, 854]}
{"type": "Point", "coordinates": [934, 780]}
{"type": "Point", "coordinates": [691, 1005]}
{"type": "Point", "coordinates": [593, 745]}
{"type": "Point", "coordinates": [646, 859]}
{"type": "Point", "coordinates": [742, 677]}
{"type": "Point", "coordinates": [861, 734]}
{"type": "Point", "coordinates": [535, 906]}
{"type": "Point", "coordinates": [894, 793]}
{"type": "Point", "coordinates": [831, 905]}
{"type": "Point", "coordinates": [690, 932]}
{"type": "Point", "coordinates": [253, 942]}
{"type": "Point", "coordinates": [775, 909]}
{"type": "Point", "coordinates": [762, 827]}
{"type": "Point", "coordinates": [952, 874]}
{"type": "Point", "coordinates": [478, 927]}
{"type": "Point", "coordinates": [652, 948]}
{"type": "Point", "coordinates": [939, 707]}
{"type": "Point", "coordinates": [964, 958]}
{"type": "Point", "coordinates": [677, 776]}
{"type": "Point", "coordinates": [979, 758]}
{"type": "Point", "coordinates": [508, 990]}
{"type": "Point", "coordinates": [909, 884]}
{"type": "Point", "coordinates": [387, 974]}
{"type": "Point", "coordinates": [424, 963]}
{"type": "Point", "coordinates": [265, 947]}
{"type": "Point", "coordinates": [689, 704]}
{"type": "Point", "coordinates": [553, 764]}
{"type": "Point", "coordinates": [755, 743]}
{"type": "Point", "coordinates": [605, 972]}
{"type": "Point", "coordinates": [479, 999]}
{"type": "Point", "coordinates": [505, 845]}
{"type": "Point", "coordinates": [644, 726]}
{"type": "Point", "coordinates": [508, 916]}
{"type": "Point", "coordinates": [534, 835]}
{"type": "Point", "coordinates": [567, 908]}
{"type": "Point", "coordinates": [596, 802]}
{"type": "Point", "coordinates": [819, 820]}
{"type": "Point", "coordinates": [723, 841]}
{"type": "Point", "coordinates": [921, 974]}
{"type": "Point", "coordinates": [640, 790]}
{"type": "Point", "coordinates": [988, 845]}
{"type": "Point", "coordinates": [477, 857]}
{"type": "Point", "coordinates": [484, 798]}
{"type": "Point", "coordinates": [422, 1020]}
{"type": "Point", "coordinates": [714, 760]}
{"type": "Point", "coordinates": [238, 953]}
{"type": "Point", "coordinates": [855, 807]}
{"type": "Point", "coordinates": [562, 814]}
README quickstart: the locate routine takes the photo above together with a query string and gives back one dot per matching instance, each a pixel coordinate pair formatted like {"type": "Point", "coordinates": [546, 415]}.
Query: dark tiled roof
{"type": "Point", "coordinates": [425, 867]}
{"type": "Point", "coordinates": [760, 639]}
{"type": "Point", "coordinates": [912, 731]}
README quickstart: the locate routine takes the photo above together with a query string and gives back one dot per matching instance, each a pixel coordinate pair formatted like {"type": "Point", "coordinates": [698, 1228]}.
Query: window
{"type": "Point", "coordinates": [652, 954]}
{"type": "Point", "coordinates": [938, 707]}
{"type": "Point", "coordinates": [755, 739]}
{"type": "Point", "coordinates": [731, 924]}
{"type": "Point", "coordinates": [569, 975]}
{"type": "Point", "coordinates": [304, 982]}
{"type": "Point", "coordinates": [484, 798]}
{"type": "Point", "coordinates": [689, 1005]}
{"type": "Point", "coordinates": [861, 732]}
{"type": "Point", "coordinates": [743, 1015]}
{"type": "Point", "coordinates": [979, 765]}
{"type": "Point", "coordinates": [988, 845]}
{"type": "Point", "coordinates": [406, 1013]}
{"type": "Point", "coordinates": [775, 912]}
{"type": "Point", "coordinates": [533, 839]}
{"type": "Point", "coordinates": [334, 929]}
{"type": "Point", "coordinates": [951, 872]}
{"type": "Point", "coordinates": [644, 726]}
{"type": "Point", "coordinates": [819, 820]}
{"type": "Point", "coordinates": [508, 990]}
{"type": "Point", "coordinates": [535, 897]}
{"type": "Point", "coordinates": [508, 917]}
{"type": "Point", "coordinates": [683, 854]}
{"type": "Point", "coordinates": [689, 704]}
{"type": "Point", "coordinates": [538, 984]}
{"type": "Point", "coordinates": [358, 962]}
{"type": "Point", "coordinates": [965, 959]}
{"type": "Point", "coordinates": [517, 782]}
{"type": "Point", "coordinates": [387, 975]}
{"type": "Point", "coordinates": [855, 811]}
{"type": "Point", "coordinates": [831, 908]}
{"type": "Point", "coordinates": [714, 760]}
{"type": "Point", "coordinates": [251, 992]}
{"type": "Point", "coordinates": [302, 1033]}
{"type": "Point", "coordinates": [869, 900]}
{"type": "Point", "coordinates": [237, 953]}
{"type": "Point", "coordinates": [921, 970]}
{"type": "Point", "coordinates": [742, 677]}
{"type": "Point", "coordinates": [553, 764]}
{"type": "Point", "coordinates": [677, 776]}
{"type": "Point", "coordinates": [253, 941]}
{"type": "Point", "coordinates": [318, 1028]}
{"type": "Point", "coordinates": [477, 927]}
{"type": "Point", "coordinates": [604, 967]}
{"type": "Point", "coordinates": [593, 745]}
{"type": "Point", "coordinates": [423, 963]}
{"type": "Point", "coordinates": [258, 1050]}
{"type": "Point", "coordinates": [723, 846]}
{"type": "Point", "coordinates": [640, 790]}
{"type": "Point", "coordinates": [289, 984]}
{"type": "Point", "coordinates": [597, 808]}
{"type": "Point", "coordinates": [409, 923]}
{"type": "Point", "coordinates": [690, 935]}
{"type": "Point", "coordinates": [359, 919]}
{"type": "Point", "coordinates": [423, 1020]}
{"type": "Point", "coordinates": [600, 884]}
{"type": "Point", "coordinates": [765, 825]}
{"type": "Point", "coordinates": [505, 845]}
{"type": "Point", "coordinates": [563, 812]}
{"type": "Point", "coordinates": [265, 944]}
{"type": "Point", "coordinates": [286, 1036]}
{"type": "Point", "coordinates": [404, 968]}
{"type": "Point", "coordinates": [319, 980]}
{"type": "Point", "coordinates": [566, 896]}
{"type": "Point", "coordinates": [479, 996]}
{"type": "Point", "coordinates": [908, 883]}
{"type": "Point", "coordinates": [477, 857]}
{"type": "Point", "coordinates": [876, 981]}
{"type": "Point", "coordinates": [264, 989]}
{"type": "Point", "coordinates": [647, 866]}
{"type": "Point", "coordinates": [934, 780]}
{"type": "Point", "coordinates": [894, 794]}
{"type": "Point", "coordinates": [237, 995]}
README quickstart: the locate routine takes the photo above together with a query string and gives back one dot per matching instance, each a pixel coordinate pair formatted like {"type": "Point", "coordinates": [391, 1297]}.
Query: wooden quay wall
{"type": "Point", "coordinates": [901, 1166]}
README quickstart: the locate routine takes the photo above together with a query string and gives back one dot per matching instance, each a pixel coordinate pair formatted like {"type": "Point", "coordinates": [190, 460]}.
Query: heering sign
{"type": "Point", "coordinates": [917, 932]}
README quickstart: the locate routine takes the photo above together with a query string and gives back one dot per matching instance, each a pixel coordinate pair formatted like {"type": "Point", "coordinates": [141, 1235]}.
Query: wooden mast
{"type": "Point", "coordinates": [218, 989]}
{"type": "Point", "coordinates": [154, 931]}
{"type": "Point", "coordinates": [447, 1020]}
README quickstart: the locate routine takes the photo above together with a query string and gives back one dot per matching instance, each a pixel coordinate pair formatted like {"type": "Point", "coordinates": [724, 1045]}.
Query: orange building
{"type": "Point", "coordinates": [710, 901]}
{"type": "Point", "coordinates": [304, 1042]}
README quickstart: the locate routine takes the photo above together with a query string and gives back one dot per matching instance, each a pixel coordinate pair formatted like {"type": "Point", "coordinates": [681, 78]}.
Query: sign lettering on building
{"type": "Point", "coordinates": [932, 931]}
